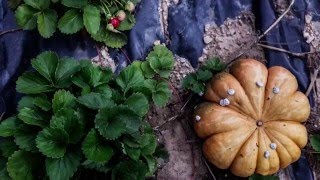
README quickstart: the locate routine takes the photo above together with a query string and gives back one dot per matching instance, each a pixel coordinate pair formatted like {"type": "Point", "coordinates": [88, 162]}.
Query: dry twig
{"type": "Point", "coordinates": [313, 80]}
{"type": "Point", "coordinates": [298, 54]}
{"type": "Point", "coordinates": [277, 20]}
{"type": "Point", "coordinates": [9, 31]}
{"type": "Point", "coordinates": [264, 33]}
{"type": "Point", "coordinates": [209, 169]}
{"type": "Point", "coordinates": [175, 116]}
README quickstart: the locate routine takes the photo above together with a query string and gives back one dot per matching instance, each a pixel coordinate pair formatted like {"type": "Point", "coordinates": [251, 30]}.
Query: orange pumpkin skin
{"type": "Point", "coordinates": [259, 130]}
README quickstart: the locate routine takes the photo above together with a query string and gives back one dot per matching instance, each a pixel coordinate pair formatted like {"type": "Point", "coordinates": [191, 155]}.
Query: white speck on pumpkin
{"type": "Point", "coordinates": [266, 154]}
{"type": "Point", "coordinates": [273, 146]}
{"type": "Point", "coordinates": [259, 84]}
{"type": "Point", "coordinates": [231, 92]}
{"type": "Point", "coordinates": [224, 102]}
{"type": "Point", "coordinates": [198, 118]}
{"type": "Point", "coordinates": [276, 90]}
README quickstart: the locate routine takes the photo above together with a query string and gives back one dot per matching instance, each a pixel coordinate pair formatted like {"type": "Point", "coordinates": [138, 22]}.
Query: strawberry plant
{"type": "Point", "coordinates": [105, 20]}
{"type": "Point", "coordinates": [196, 82]}
{"type": "Point", "coordinates": [76, 115]}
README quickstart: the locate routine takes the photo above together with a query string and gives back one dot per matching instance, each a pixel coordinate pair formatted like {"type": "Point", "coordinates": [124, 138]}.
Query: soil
{"type": "Point", "coordinates": [228, 40]}
{"type": "Point", "coordinates": [312, 35]}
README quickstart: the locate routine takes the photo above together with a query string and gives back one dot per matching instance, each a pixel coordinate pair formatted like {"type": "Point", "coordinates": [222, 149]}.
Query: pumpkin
{"type": "Point", "coordinates": [252, 120]}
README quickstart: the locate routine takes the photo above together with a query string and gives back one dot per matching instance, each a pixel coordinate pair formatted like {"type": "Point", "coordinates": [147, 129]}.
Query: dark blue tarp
{"type": "Point", "coordinates": [186, 27]}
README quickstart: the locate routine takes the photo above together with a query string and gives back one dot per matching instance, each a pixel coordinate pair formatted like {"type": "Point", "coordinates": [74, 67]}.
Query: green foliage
{"type": "Point", "coordinates": [74, 15]}
{"type": "Point", "coordinates": [261, 177]}
{"type": "Point", "coordinates": [76, 115]}
{"type": "Point", "coordinates": [315, 142]}
{"type": "Point", "coordinates": [196, 82]}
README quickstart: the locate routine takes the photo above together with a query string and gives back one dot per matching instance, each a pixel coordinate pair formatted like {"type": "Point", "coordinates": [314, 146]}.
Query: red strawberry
{"type": "Point", "coordinates": [115, 22]}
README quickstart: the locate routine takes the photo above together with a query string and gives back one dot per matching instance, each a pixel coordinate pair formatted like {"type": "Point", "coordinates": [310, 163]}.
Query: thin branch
{"type": "Point", "coordinates": [313, 80]}
{"type": "Point", "coordinates": [99, 52]}
{"type": "Point", "coordinates": [298, 54]}
{"type": "Point", "coordinates": [169, 120]}
{"type": "Point", "coordinates": [277, 20]}
{"type": "Point", "coordinates": [264, 33]}
{"type": "Point", "coordinates": [209, 169]}
{"type": "Point", "coordinates": [9, 31]}
{"type": "Point", "coordinates": [1, 116]}
{"type": "Point", "coordinates": [125, 54]}
{"type": "Point", "coordinates": [176, 116]}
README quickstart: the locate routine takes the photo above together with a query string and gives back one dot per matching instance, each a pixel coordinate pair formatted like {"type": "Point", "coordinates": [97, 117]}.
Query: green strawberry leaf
{"type": "Point", "coordinates": [70, 121]}
{"type": "Point", "coordinates": [213, 65]}
{"type": "Point", "coordinates": [161, 94]}
{"type": "Point", "coordinates": [112, 122]}
{"type": "Point", "coordinates": [25, 17]}
{"type": "Point", "coordinates": [92, 76]}
{"type": "Point", "coordinates": [75, 3]}
{"type": "Point", "coordinates": [100, 167]}
{"type": "Point", "coordinates": [8, 127]}
{"type": "Point", "coordinates": [130, 77]}
{"type": "Point", "coordinates": [190, 82]}
{"type": "Point", "coordinates": [148, 144]}
{"type": "Point", "coordinates": [34, 117]}
{"type": "Point", "coordinates": [47, 22]}
{"type": "Point", "coordinates": [148, 72]}
{"type": "Point", "coordinates": [151, 162]}
{"type": "Point", "coordinates": [315, 142]}
{"type": "Point", "coordinates": [133, 153]}
{"type": "Point", "coordinates": [128, 170]}
{"type": "Point", "coordinates": [96, 100]}
{"type": "Point", "coordinates": [96, 148]}
{"type": "Point", "coordinates": [63, 99]}
{"type": "Point", "coordinates": [203, 75]}
{"type": "Point", "coordinates": [42, 102]}
{"type": "Point", "coordinates": [52, 142]}
{"type": "Point", "coordinates": [63, 168]}
{"type": "Point", "coordinates": [91, 19]}
{"type": "Point", "coordinates": [22, 164]}
{"type": "Point", "coordinates": [71, 22]}
{"type": "Point", "coordinates": [108, 123]}
{"type": "Point", "coordinates": [7, 147]}
{"type": "Point", "coordinates": [33, 83]}
{"type": "Point", "coordinates": [111, 39]}
{"type": "Point", "coordinates": [115, 40]}
{"type": "Point", "coordinates": [138, 103]}
{"type": "Point", "coordinates": [26, 101]}
{"type": "Point", "coordinates": [66, 68]}
{"type": "Point", "coordinates": [38, 4]}
{"type": "Point", "coordinates": [3, 169]}
{"type": "Point", "coordinates": [25, 137]}
{"type": "Point", "coordinates": [161, 60]}
{"type": "Point", "coordinates": [128, 23]}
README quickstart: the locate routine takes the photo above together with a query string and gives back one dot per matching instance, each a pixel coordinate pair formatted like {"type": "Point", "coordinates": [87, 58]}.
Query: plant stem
{"type": "Point", "coordinates": [9, 31]}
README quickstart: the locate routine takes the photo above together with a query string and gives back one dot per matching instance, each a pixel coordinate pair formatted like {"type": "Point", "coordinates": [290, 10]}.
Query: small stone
{"type": "Point", "coordinates": [259, 84]}
{"type": "Point", "coordinates": [207, 39]}
{"type": "Point", "coordinates": [198, 118]}
{"type": "Point", "coordinates": [231, 92]}
{"type": "Point", "coordinates": [276, 90]}
{"type": "Point", "coordinates": [308, 18]}
{"type": "Point", "coordinates": [273, 146]}
{"type": "Point", "coordinates": [200, 93]}
{"type": "Point", "coordinates": [266, 154]}
{"type": "Point", "coordinates": [224, 102]}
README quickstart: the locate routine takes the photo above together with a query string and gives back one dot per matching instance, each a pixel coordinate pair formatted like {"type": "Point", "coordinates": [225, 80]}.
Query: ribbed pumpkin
{"type": "Point", "coordinates": [252, 120]}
